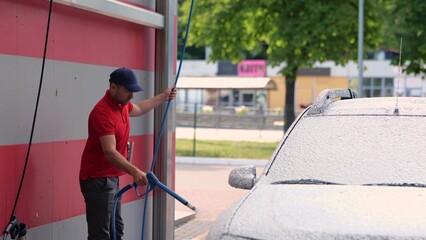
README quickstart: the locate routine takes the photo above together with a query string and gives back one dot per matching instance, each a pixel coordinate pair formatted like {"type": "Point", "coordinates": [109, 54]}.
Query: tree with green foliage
{"type": "Point", "coordinates": [297, 33]}
{"type": "Point", "coordinates": [409, 23]}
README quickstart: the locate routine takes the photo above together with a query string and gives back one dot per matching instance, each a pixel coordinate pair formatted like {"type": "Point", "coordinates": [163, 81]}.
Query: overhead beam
{"type": "Point", "coordinates": [118, 10]}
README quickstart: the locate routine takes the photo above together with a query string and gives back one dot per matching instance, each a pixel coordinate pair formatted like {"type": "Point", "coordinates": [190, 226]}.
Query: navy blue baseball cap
{"type": "Point", "coordinates": [126, 78]}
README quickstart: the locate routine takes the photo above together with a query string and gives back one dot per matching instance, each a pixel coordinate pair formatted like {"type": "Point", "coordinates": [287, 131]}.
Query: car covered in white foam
{"type": "Point", "coordinates": [348, 168]}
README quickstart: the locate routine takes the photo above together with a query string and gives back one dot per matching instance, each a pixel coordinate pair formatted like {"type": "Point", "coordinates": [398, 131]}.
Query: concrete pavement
{"type": "Point", "coordinates": [206, 187]}
{"type": "Point", "coordinates": [204, 181]}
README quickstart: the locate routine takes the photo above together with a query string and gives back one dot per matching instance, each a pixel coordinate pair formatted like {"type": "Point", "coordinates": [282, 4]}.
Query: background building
{"type": "Point", "coordinates": [380, 78]}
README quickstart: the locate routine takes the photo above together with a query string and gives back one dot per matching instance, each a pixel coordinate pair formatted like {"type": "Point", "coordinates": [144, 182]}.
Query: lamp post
{"type": "Point", "coordinates": [360, 46]}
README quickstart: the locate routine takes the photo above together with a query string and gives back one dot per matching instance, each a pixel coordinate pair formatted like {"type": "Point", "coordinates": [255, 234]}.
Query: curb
{"type": "Point", "coordinates": [182, 217]}
{"type": "Point", "coordinates": [221, 161]}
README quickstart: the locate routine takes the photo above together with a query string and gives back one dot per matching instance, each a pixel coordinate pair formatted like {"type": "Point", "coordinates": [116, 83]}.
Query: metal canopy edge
{"type": "Point", "coordinates": [118, 10]}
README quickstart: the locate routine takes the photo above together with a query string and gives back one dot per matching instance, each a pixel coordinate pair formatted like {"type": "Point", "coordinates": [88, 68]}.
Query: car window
{"type": "Point", "coordinates": [354, 150]}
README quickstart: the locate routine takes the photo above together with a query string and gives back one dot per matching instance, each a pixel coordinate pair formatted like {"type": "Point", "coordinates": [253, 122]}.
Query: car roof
{"type": "Point", "coordinates": [328, 103]}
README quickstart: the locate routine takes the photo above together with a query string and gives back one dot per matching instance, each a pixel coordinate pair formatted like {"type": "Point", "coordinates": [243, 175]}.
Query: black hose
{"type": "Point", "coordinates": [35, 113]}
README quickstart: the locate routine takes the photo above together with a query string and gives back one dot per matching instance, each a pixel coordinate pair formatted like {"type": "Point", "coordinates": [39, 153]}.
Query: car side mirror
{"type": "Point", "coordinates": [243, 177]}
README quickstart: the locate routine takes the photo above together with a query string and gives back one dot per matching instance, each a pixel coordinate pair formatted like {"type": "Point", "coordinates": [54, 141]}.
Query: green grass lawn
{"type": "Point", "coordinates": [225, 149]}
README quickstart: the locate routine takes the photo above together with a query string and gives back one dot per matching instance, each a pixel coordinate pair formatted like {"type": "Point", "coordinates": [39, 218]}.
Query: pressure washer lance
{"type": "Point", "coordinates": [153, 181]}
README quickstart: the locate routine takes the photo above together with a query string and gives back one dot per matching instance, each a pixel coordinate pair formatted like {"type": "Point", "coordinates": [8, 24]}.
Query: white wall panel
{"type": "Point", "coordinates": [76, 227]}
{"type": "Point", "coordinates": [69, 92]}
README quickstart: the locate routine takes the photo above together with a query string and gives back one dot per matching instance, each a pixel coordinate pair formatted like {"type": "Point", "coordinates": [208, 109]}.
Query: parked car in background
{"type": "Point", "coordinates": [347, 168]}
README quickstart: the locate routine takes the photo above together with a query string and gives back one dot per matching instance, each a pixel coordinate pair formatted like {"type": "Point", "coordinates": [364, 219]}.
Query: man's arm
{"type": "Point", "coordinates": [108, 143]}
{"type": "Point", "coordinates": [145, 106]}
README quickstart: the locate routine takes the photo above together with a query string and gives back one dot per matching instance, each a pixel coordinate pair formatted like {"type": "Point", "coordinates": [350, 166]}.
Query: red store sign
{"type": "Point", "coordinates": [252, 68]}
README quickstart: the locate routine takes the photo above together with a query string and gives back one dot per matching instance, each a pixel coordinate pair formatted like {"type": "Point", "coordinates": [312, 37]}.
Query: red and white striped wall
{"type": "Point", "coordinates": [83, 49]}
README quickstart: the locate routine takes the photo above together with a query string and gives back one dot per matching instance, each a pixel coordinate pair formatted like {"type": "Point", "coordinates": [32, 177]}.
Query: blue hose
{"type": "Point", "coordinates": [117, 198]}
{"type": "Point", "coordinates": [165, 117]}
{"type": "Point", "coordinates": [153, 181]}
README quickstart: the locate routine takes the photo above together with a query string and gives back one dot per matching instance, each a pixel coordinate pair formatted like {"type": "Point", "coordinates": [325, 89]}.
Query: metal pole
{"type": "Point", "coordinates": [360, 46]}
{"type": "Point", "coordinates": [165, 70]}
{"type": "Point", "coordinates": [195, 129]}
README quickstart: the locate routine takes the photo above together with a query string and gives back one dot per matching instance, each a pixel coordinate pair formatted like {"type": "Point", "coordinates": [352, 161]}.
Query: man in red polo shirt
{"type": "Point", "coordinates": [104, 158]}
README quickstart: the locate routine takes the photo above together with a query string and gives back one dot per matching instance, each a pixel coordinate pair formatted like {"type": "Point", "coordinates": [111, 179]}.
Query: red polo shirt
{"type": "Point", "coordinates": [106, 118]}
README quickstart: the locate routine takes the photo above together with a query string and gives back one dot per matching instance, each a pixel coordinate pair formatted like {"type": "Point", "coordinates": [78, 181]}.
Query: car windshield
{"type": "Point", "coordinates": [352, 149]}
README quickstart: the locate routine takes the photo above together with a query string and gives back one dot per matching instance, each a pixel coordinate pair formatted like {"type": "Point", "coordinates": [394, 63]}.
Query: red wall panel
{"type": "Point", "coordinates": [51, 190]}
{"type": "Point", "coordinates": [75, 35]}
